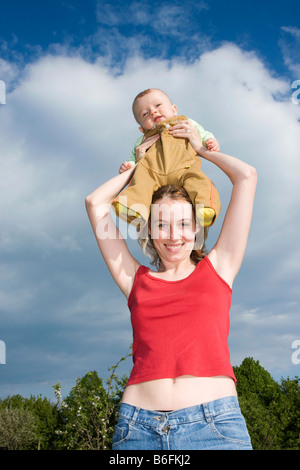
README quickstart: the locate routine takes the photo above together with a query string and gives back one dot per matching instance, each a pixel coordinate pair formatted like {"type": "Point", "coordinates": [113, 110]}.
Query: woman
{"type": "Point", "coordinates": [181, 393]}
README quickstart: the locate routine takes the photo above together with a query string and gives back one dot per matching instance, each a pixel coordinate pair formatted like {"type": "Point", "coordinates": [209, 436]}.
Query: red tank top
{"type": "Point", "coordinates": [180, 327]}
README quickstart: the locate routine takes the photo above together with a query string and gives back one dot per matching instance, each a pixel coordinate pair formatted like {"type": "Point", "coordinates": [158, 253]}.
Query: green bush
{"type": "Point", "coordinates": [89, 412]}
{"type": "Point", "coordinates": [29, 423]}
{"type": "Point", "coordinates": [271, 410]}
{"type": "Point", "coordinates": [85, 419]}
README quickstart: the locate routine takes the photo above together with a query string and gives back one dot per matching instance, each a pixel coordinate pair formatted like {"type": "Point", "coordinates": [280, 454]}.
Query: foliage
{"type": "Point", "coordinates": [17, 428]}
{"type": "Point", "coordinates": [290, 392]}
{"type": "Point", "coordinates": [90, 411]}
{"type": "Point", "coordinates": [85, 419]}
{"type": "Point", "coordinates": [41, 418]}
{"type": "Point", "coordinates": [271, 410]}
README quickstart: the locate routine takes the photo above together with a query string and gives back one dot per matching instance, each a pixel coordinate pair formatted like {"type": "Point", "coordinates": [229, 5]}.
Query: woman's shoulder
{"type": "Point", "coordinates": [219, 265]}
{"type": "Point", "coordinates": [140, 271]}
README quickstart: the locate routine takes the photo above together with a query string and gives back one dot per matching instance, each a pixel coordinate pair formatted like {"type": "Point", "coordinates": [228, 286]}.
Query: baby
{"type": "Point", "coordinates": [148, 119]}
{"type": "Point", "coordinates": [162, 159]}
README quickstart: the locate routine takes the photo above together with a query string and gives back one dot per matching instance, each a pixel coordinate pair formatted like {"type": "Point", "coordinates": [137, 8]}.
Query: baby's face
{"type": "Point", "coordinates": [153, 108]}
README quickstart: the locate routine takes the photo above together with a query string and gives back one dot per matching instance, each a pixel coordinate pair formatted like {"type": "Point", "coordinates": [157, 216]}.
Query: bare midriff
{"type": "Point", "coordinates": [177, 393]}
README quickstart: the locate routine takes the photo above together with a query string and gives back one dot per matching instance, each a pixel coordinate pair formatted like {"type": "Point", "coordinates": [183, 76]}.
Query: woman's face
{"type": "Point", "coordinates": [173, 229]}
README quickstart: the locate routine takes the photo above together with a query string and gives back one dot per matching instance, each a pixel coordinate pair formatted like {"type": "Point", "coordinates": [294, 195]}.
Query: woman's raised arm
{"type": "Point", "coordinates": [228, 252]}
{"type": "Point", "coordinates": [121, 264]}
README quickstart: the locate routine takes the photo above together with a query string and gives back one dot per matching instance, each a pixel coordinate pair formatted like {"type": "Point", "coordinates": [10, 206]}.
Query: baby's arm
{"type": "Point", "coordinates": [207, 137]}
{"type": "Point", "coordinates": [126, 166]}
{"type": "Point", "coordinates": [212, 144]}
{"type": "Point", "coordinates": [132, 160]}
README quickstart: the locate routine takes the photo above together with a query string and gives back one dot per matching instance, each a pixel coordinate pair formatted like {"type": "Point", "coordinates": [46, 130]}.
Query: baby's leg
{"type": "Point", "coordinates": [203, 193]}
{"type": "Point", "coordinates": [133, 204]}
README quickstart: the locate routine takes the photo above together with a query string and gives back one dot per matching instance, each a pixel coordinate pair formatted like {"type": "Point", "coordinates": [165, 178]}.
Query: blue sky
{"type": "Point", "coordinates": [162, 29]}
{"type": "Point", "coordinates": [71, 70]}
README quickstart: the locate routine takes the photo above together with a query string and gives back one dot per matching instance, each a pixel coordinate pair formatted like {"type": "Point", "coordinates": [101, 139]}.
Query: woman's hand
{"type": "Point", "coordinates": [186, 130]}
{"type": "Point", "coordinates": [145, 145]}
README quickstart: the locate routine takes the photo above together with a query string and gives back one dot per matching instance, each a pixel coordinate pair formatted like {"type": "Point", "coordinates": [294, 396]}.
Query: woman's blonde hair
{"type": "Point", "coordinates": [176, 193]}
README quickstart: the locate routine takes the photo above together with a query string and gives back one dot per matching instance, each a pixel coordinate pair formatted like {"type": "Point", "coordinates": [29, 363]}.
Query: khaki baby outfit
{"type": "Point", "coordinates": [171, 160]}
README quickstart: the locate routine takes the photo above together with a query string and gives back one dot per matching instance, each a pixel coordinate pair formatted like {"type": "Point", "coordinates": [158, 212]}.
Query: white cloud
{"type": "Point", "coordinates": [266, 335]}
{"type": "Point", "coordinates": [290, 47]}
{"type": "Point", "coordinates": [160, 17]}
{"type": "Point", "coordinates": [147, 29]}
{"type": "Point", "coordinates": [292, 30]}
{"type": "Point", "coordinates": [8, 71]}
{"type": "Point", "coordinates": [60, 122]}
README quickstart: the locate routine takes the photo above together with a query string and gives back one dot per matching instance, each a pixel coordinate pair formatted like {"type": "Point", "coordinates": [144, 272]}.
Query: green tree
{"type": "Point", "coordinates": [46, 418]}
{"type": "Point", "coordinates": [47, 421]}
{"type": "Point", "coordinates": [290, 409]}
{"type": "Point", "coordinates": [270, 410]}
{"type": "Point", "coordinates": [18, 429]}
{"type": "Point", "coordinates": [89, 412]}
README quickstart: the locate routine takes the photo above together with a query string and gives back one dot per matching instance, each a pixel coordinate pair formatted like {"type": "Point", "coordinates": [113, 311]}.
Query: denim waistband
{"type": "Point", "coordinates": [205, 411]}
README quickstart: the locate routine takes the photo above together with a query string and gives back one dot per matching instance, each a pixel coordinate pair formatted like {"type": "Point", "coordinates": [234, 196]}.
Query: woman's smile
{"type": "Point", "coordinates": [173, 247]}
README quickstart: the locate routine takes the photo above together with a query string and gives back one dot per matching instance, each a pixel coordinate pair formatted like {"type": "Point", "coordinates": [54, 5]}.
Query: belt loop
{"type": "Point", "coordinates": [206, 413]}
{"type": "Point", "coordinates": [135, 415]}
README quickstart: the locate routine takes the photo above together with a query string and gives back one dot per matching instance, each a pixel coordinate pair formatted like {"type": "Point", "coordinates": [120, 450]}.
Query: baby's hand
{"type": "Point", "coordinates": [212, 145]}
{"type": "Point", "coordinates": [125, 166]}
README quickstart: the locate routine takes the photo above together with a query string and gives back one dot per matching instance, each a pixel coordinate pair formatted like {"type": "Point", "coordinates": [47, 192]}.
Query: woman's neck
{"type": "Point", "coordinates": [173, 270]}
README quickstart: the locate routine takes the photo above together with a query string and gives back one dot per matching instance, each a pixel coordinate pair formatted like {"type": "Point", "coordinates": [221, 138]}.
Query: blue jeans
{"type": "Point", "coordinates": [216, 425]}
